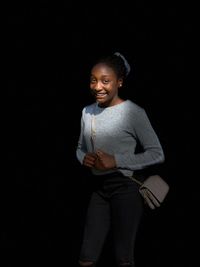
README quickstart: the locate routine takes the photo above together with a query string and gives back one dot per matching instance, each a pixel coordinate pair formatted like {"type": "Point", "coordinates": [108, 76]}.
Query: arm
{"type": "Point", "coordinates": [84, 157]}
{"type": "Point", "coordinates": [152, 152]}
{"type": "Point", "coordinates": [81, 147]}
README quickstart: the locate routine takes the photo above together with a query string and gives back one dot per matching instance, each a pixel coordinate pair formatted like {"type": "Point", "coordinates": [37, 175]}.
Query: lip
{"type": "Point", "coordinates": [100, 96]}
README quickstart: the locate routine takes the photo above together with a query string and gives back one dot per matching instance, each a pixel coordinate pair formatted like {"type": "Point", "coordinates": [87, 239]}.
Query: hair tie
{"type": "Point", "coordinates": [127, 66]}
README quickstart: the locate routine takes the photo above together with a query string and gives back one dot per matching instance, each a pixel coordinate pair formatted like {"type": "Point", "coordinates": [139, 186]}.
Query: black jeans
{"type": "Point", "coordinates": [115, 205]}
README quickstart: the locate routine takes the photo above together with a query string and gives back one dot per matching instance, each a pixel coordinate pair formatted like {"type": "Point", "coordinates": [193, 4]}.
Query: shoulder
{"type": "Point", "coordinates": [133, 107]}
{"type": "Point", "coordinates": [88, 109]}
{"type": "Point", "coordinates": [135, 112]}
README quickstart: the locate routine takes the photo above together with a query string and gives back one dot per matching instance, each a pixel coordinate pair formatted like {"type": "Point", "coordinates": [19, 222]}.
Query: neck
{"type": "Point", "coordinates": [113, 103]}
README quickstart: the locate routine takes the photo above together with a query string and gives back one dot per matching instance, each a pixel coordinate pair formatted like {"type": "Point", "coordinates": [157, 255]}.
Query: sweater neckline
{"type": "Point", "coordinates": [111, 107]}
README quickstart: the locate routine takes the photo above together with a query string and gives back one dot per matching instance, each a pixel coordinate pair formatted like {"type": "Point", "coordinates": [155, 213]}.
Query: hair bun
{"type": "Point", "coordinates": [127, 66]}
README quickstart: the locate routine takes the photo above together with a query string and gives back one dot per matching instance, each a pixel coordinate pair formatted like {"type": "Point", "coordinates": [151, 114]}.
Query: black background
{"type": "Point", "coordinates": [50, 48]}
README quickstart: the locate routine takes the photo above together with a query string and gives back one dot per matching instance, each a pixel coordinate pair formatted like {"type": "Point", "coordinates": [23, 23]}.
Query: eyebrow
{"type": "Point", "coordinates": [103, 76]}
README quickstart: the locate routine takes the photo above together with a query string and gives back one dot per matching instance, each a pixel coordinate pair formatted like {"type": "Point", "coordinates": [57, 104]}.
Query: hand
{"type": "Point", "coordinates": [104, 161]}
{"type": "Point", "coordinates": [89, 160]}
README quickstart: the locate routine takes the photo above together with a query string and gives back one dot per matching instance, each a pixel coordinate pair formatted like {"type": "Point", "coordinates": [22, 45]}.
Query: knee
{"type": "Point", "coordinates": [86, 263]}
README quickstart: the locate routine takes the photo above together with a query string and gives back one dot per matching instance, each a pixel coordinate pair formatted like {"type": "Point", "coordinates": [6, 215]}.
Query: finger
{"type": "Point", "coordinates": [99, 152]}
{"type": "Point", "coordinates": [91, 157]}
{"type": "Point", "coordinates": [90, 161]}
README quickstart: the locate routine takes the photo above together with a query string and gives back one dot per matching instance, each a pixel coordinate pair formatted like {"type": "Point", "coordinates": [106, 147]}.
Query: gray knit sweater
{"type": "Point", "coordinates": [117, 130]}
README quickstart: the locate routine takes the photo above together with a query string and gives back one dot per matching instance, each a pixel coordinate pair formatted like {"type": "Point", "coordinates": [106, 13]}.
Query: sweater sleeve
{"type": "Point", "coordinates": [81, 147]}
{"type": "Point", "coordinates": [152, 152]}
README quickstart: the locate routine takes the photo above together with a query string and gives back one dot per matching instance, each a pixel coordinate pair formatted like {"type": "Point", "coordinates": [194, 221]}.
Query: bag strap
{"type": "Point", "coordinates": [135, 180]}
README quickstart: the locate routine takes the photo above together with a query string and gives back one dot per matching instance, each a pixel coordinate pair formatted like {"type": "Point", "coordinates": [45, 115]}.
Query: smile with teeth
{"type": "Point", "coordinates": [100, 95]}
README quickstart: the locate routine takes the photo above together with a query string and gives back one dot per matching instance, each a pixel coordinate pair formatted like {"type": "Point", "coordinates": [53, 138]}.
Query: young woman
{"type": "Point", "coordinates": [111, 128]}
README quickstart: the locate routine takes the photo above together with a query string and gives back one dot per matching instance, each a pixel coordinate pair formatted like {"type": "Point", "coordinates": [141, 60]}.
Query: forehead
{"type": "Point", "coordinates": [102, 69]}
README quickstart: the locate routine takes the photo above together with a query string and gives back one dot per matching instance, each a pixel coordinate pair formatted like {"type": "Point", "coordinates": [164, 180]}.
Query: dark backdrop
{"type": "Point", "coordinates": [50, 49]}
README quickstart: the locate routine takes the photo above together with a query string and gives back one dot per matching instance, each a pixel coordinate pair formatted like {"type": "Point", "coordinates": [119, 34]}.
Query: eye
{"type": "Point", "coordinates": [105, 81]}
{"type": "Point", "coordinates": [92, 80]}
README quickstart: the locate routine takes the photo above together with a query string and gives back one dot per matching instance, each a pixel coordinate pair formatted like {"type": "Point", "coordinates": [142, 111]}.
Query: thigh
{"type": "Point", "coordinates": [97, 225]}
{"type": "Point", "coordinates": [126, 212]}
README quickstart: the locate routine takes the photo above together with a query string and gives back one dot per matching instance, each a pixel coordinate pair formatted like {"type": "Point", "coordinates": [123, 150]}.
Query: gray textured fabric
{"type": "Point", "coordinates": [118, 129]}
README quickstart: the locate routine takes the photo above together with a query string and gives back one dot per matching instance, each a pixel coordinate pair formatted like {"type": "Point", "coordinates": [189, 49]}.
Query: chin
{"type": "Point", "coordinates": [100, 100]}
{"type": "Point", "coordinates": [102, 103]}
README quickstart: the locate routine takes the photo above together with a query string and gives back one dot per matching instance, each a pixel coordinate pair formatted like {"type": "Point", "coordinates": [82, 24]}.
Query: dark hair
{"type": "Point", "coordinates": [118, 63]}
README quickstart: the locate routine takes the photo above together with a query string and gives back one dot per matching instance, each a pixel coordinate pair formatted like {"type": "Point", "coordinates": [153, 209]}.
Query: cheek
{"type": "Point", "coordinates": [113, 90]}
{"type": "Point", "coordinates": [92, 86]}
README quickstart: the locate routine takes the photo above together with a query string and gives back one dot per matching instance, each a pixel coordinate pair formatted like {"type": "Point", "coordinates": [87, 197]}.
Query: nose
{"type": "Point", "coordinates": [98, 86]}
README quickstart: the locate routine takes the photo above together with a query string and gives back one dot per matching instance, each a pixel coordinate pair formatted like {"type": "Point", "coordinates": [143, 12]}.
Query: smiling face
{"type": "Point", "coordinates": [104, 85]}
